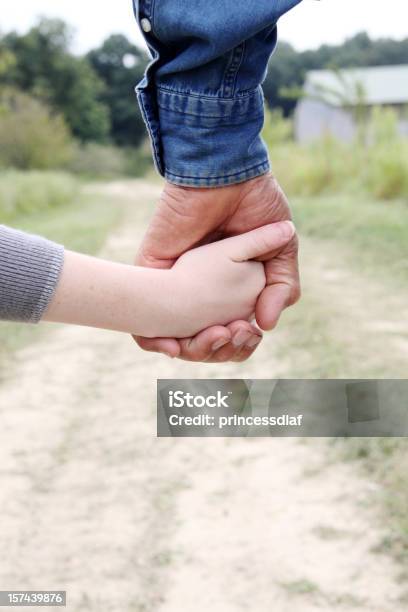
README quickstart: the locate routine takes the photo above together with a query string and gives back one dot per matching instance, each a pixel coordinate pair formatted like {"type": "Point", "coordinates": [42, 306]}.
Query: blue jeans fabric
{"type": "Point", "coordinates": [201, 96]}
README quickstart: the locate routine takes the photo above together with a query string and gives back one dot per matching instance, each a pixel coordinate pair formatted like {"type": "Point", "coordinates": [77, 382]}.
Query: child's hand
{"type": "Point", "coordinates": [219, 283]}
{"type": "Point", "coordinates": [213, 284]}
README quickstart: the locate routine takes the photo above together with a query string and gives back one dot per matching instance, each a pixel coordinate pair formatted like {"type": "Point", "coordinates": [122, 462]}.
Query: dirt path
{"type": "Point", "coordinates": [91, 502]}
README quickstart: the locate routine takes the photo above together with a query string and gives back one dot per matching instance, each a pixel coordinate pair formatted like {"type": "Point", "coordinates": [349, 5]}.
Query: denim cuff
{"type": "Point", "coordinates": [203, 141]}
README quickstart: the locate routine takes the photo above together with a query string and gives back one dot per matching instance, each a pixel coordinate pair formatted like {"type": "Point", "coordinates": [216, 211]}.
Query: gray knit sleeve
{"type": "Point", "coordinates": [30, 268]}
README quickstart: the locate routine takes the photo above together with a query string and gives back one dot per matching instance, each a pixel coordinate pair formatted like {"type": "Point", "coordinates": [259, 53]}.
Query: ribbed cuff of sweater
{"type": "Point", "coordinates": [30, 268]}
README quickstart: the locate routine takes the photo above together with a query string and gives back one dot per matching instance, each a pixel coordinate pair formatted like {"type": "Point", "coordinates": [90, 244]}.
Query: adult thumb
{"type": "Point", "coordinates": [260, 241]}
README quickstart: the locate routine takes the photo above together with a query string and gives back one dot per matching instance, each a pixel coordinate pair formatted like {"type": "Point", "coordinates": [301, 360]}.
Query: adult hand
{"type": "Point", "coordinates": [187, 217]}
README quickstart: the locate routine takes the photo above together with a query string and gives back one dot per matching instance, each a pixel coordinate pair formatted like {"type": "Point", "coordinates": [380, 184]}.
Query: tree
{"type": "Point", "coordinates": [120, 64]}
{"type": "Point", "coordinates": [95, 93]}
{"type": "Point", "coordinates": [287, 67]}
{"type": "Point", "coordinates": [285, 70]}
{"type": "Point", "coordinates": [7, 60]}
{"type": "Point", "coordinates": [31, 136]}
{"type": "Point", "coordinates": [45, 68]}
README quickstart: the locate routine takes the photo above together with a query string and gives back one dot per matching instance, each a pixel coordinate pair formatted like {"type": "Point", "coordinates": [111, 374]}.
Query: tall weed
{"type": "Point", "coordinates": [377, 167]}
{"type": "Point", "coordinates": [28, 192]}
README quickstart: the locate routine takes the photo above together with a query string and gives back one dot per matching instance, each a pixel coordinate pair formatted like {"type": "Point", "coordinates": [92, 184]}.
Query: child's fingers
{"type": "Point", "coordinates": [260, 241]}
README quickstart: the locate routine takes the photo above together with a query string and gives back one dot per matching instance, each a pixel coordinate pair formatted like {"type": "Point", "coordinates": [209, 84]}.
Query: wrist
{"type": "Point", "coordinates": [170, 304]}
{"type": "Point", "coordinates": [152, 297]}
{"type": "Point", "coordinates": [98, 293]}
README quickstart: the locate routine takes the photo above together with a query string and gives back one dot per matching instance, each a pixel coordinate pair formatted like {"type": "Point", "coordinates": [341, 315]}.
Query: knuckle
{"type": "Point", "coordinates": [242, 356]}
{"type": "Point", "coordinates": [146, 345]}
{"type": "Point", "coordinates": [291, 249]}
{"type": "Point", "coordinates": [143, 258]}
{"type": "Point", "coordinates": [262, 241]}
{"type": "Point", "coordinates": [295, 243]}
{"type": "Point", "coordinates": [295, 294]}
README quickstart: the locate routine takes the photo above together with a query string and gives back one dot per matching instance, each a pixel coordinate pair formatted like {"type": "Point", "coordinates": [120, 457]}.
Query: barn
{"type": "Point", "coordinates": [332, 99]}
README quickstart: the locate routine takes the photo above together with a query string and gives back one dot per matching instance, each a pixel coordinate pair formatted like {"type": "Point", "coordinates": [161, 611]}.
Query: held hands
{"type": "Point", "coordinates": [218, 283]}
{"type": "Point", "coordinates": [188, 217]}
{"type": "Point", "coordinates": [216, 287]}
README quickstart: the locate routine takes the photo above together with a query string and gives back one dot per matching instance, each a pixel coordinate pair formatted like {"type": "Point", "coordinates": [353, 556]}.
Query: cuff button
{"type": "Point", "coordinates": [146, 25]}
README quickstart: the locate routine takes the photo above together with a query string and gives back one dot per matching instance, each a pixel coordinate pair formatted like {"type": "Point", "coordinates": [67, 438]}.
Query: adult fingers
{"type": "Point", "coordinates": [283, 286]}
{"type": "Point", "coordinates": [198, 348]}
{"type": "Point", "coordinates": [167, 346]}
{"type": "Point", "coordinates": [246, 339]}
{"type": "Point", "coordinates": [236, 335]}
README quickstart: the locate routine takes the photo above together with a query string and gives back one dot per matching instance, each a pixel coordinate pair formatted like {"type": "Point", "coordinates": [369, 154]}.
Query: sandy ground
{"type": "Point", "coordinates": [93, 503]}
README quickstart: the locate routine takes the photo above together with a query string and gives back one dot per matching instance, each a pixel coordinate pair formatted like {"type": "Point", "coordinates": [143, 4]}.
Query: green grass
{"type": "Point", "coordinates": [368, 238]}
{"type": "Point", "coordinates": [384, 460]}
{"type": "Point", "coordinates": [81, 225]}
{"type": "Point", "coordinates": [300, 587]}
{"type": "Point", "coordinates": [376, 165]}
{"type": "Point", "coordinates": [31, 192]}
{"type": "Point", "coordinates": [373, 237]}
{"type": "Point", "coordinates": [104, 162]}
{"type": "Point", "coordinates": [374, 234]}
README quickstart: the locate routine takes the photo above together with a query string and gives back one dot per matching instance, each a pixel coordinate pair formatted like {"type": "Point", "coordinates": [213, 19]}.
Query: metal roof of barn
{"type": "Point", "coordinates": [381, 85]}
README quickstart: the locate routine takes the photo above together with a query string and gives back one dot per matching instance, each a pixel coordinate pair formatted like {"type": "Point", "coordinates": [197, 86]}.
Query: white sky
{"type": "Point", "coordinates": [307, 26]}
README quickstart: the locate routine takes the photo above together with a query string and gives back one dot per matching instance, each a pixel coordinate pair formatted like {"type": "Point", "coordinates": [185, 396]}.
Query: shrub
{"type": "Point", "coordinates": [383, 126]}
{"type": "Point", "coordinates": [104, 161]}
{"type": "Point", "coordinates": [96, 160]}
{"type": "Point", "coordinates": [138, 159]}
{"type": "Point", "coordinates": [277, 129]}
{"type": "Point", "coordinates": [378, 166]}
{"type": "Point", "coordinates": [322, 167]}
{"type": "Point", "coordinates": [386, 172]}
{"type": "Point", "coordinates": [31, 137]}
{"type": "Point", "coordinates": [386, 175]}
{"type": "Point", "coordinates": [305, 169]}
{"type": "Point", "coordinates": [27, 192]}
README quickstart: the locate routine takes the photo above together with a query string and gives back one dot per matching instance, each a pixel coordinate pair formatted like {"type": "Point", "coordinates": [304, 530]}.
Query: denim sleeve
{"type": "Point", "coordinates": [201, 96]}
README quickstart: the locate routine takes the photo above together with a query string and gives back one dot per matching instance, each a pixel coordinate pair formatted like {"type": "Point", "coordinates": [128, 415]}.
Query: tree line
{"type": "Point", "coordinates": [94, 93]}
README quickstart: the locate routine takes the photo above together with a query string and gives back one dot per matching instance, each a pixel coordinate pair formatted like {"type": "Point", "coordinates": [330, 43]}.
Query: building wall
{"type": "Point", "coordinates": [403, 127]}
{"type": "Point", "coordinates": [402, 112]}
{"type": "Point", "coordinates": [313, 119]}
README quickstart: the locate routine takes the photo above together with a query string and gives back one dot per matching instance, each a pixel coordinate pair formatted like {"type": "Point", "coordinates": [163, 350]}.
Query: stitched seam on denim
{"type": "Point", "coordinates": [209, 182]}
{"type": "Point", "coordinates": [253, 105]}
{"type": "Point", "coordinates": [136, 9]}
{"type": "Point", "coordinates": [238, 67]}
{"type": "Point", "coordinates": [230, 78]}
{"type": "Point", "coordinates": [153, 13]}
{"type": "Point", "coordinates": [147, 6]}
{"type": "Point", "coordinates": [246, 114]}
{"type": "Point", "coordinates": [262, 164]}
{"type": "Point", "coordinates": [247, 94]}
{"type": "Point", "coordinates": [184, 113]}
{"type": "Point", "coordinates": [152, 136]}
{"type": "Point", "coordinates": [228, 82]}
